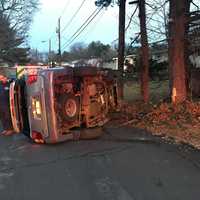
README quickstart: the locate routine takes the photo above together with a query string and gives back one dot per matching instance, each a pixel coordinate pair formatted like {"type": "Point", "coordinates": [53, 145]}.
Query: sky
{"type": "Point", "coordinates": [103, 28]}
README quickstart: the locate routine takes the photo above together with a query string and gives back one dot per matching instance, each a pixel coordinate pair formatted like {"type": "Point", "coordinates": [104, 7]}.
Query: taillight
{"type": "Point", "coordinates": [37, 137]}
{"type": "Point", "coordinates": [36, 107]}
{"type": "Point", "coordinates": [31, 79]}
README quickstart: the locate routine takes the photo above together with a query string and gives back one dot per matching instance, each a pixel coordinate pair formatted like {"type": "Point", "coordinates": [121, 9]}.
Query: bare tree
{"type": "Point", "coordinates": [19, 13]}
{"type": "Point", "coordinates": [15, 19]}
{"type": "Point", "coordinates": [157, 12]}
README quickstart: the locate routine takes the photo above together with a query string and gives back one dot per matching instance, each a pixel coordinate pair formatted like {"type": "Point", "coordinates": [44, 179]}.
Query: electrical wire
{"type": "Point", "coordinates": [73, 17]}
{"type": "Point", "coordinates": [92, 28]}
{"type": "Point", "coordinates": [131, 18]}
{"type": "Point", "coordinates": [129, 23]}
{"type": "Point", "coordinates": [82, 27]}
{"type": "Point", "coordinates": [65, 8]}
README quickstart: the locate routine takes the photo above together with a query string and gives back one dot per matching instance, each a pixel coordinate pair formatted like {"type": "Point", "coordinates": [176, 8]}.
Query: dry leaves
{"type": "Point", "coordinates": [181, 122]}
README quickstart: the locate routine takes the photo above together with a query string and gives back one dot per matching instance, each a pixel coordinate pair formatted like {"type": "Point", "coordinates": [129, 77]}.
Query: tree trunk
{"type": "Point", "coordinates": [144, 52]}
{"type": "Point", "coordinates": [177, 49]}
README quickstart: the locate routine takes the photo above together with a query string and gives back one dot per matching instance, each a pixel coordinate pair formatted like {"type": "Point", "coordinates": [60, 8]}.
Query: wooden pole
{"type": "Point", "coordinates": [121, 48]}
{"type": "Point", "coordinates": [144, 52]}
{"type": "Point", "coordinates": [59, 41]}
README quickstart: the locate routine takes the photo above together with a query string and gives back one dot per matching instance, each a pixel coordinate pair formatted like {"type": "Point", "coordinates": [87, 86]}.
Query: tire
{"type": "Point", "coordinates": [70, 107]}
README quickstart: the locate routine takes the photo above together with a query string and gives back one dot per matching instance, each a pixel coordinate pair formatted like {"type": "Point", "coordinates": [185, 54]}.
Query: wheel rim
{"type": "Point", "coordinates": [70, 108]}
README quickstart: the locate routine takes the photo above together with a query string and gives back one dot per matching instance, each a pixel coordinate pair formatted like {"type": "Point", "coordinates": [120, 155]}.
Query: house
{"type": "Point", "coordinates": [194, 39]}
{"type": "Point", "coordinates": [160, 55]}
{"type": "Point", "coordinates": [95, 62]}
{"type": "Point", "coordinates": [129, 60]}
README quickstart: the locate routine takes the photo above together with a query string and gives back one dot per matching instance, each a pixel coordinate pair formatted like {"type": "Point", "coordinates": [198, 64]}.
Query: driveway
{"type": "Point", "coordinates": [125, 164]}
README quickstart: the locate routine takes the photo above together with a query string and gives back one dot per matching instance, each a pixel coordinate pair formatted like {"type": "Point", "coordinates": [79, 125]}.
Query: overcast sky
{"type": "Point", "coordinates": [104, 27]}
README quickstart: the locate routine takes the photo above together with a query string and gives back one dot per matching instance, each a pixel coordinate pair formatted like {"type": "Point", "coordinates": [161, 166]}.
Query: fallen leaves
{"type": "Point", "coordinates": [181, 122]}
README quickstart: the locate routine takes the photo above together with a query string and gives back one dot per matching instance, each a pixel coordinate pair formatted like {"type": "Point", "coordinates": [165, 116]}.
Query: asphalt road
{"type": "Point", "coordinates": [125, 164]}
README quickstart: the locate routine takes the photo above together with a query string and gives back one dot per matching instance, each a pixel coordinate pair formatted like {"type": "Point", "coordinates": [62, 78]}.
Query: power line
{"type": "Point", "coordinates": [131, 18]}
{"type": "Point", "coordinates": [63, 11]}
{"type": "Point", "coordinates": [92, 28]}
{"type": "Point", "coordinates": [129, 23]}
{"type": "Point", "coordinates": [65, 8]}
{"type": "Point", "coordinates": [73, 17]}
{"type": "Point", "coordinates": [155, 11]}
{"type": "Point", "coordinates": [82, 27]}
{"type": "Point", "coordinates": [81, 30]}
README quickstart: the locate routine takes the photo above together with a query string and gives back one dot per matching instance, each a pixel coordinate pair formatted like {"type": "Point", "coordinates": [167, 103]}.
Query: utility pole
{"type": "Point", "coordinates": [144, 50]}
{"type": "Point", "coordinates": [121, 47]}
{"type": "Point", "coordinates": [59, 41]}
{"type": "Point", "coordinates": [36, 54]}
{"type": "Point", "coordinates": [50, 51]}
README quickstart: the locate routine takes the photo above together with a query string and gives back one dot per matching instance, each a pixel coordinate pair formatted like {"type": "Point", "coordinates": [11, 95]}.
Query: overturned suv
{"type": "Point", "coordinates": [54, 104]}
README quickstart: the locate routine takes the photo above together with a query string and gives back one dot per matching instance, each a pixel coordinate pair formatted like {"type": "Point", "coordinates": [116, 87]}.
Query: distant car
{"type": "Point", "coordinates": [51, 105]}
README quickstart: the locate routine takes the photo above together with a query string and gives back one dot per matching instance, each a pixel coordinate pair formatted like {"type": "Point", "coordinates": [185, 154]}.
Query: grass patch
{"type": "Point", "coordinates": [158, 91]}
